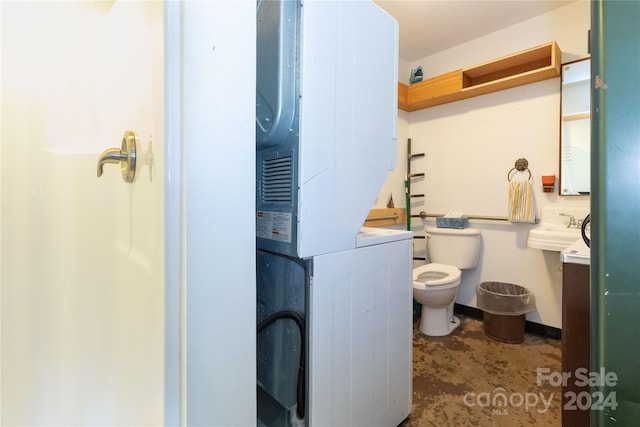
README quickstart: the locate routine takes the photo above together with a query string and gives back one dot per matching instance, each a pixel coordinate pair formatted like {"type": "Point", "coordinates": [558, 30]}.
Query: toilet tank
{"type": "Point", "coordinates": [452, 246]}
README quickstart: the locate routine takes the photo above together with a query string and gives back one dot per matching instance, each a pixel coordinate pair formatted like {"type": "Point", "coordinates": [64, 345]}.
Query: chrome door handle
{"type": "Point", "coordinates": [126, 156]}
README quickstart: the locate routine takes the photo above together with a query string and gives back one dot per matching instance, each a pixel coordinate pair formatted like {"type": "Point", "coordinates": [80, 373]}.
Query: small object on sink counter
{"type": "Point", "coordinates": [576, 253]}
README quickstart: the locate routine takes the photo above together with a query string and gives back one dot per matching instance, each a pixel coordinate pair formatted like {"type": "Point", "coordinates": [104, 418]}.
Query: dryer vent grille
{"type": "Point", "coordinates": [277, 180]}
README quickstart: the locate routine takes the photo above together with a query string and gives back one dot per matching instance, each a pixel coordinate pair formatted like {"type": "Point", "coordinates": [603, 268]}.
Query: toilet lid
{"type": "Point", "coordinates": [436, 274]}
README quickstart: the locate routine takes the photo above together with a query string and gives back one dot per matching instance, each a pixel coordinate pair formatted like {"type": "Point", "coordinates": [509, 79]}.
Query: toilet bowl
{"type": "Point", "coordinates": [435, 287]}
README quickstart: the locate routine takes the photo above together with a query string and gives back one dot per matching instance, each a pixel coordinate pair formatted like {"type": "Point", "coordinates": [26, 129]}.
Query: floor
{"type": "Point", "coordinates": [469, 379]}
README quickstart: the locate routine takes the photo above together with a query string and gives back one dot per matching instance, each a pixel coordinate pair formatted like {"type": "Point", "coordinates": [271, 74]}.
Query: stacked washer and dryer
{"type": "Point", "coordinates": [334, 301]}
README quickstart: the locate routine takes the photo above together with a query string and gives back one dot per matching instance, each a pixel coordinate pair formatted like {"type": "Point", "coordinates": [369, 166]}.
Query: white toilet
{"type": "Point", "coordinates": [435, 285]}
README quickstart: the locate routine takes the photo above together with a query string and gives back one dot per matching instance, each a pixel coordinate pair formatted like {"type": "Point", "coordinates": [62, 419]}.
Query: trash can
{"type": "Point", "coordinates": [504, 306]}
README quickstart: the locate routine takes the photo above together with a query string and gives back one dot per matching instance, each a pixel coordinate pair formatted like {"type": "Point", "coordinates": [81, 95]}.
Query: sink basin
{"type": "Point", "coordinates": [552, 237]}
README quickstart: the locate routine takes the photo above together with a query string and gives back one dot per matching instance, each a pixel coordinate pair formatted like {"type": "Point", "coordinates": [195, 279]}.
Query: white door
{"type": "Point", "coordinates": [82, 257]}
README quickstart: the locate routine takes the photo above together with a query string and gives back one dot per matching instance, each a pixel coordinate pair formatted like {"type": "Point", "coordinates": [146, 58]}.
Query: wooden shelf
{"type": "Point", "coordinates": [577, 116]}
{"type": "Point", "coordinates": [386, 216]}
{"type": "Point", "coordinates": [529, 66]}
{"type": "Point", "coordinates": [402, 97]}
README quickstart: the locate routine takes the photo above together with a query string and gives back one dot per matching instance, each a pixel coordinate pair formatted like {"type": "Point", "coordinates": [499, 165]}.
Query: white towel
{"type": "Point", "coordinates": [521, 203]}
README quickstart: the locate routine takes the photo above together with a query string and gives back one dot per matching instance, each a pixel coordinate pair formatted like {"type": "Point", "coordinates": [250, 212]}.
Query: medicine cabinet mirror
{"type": "Point", "coordinates": [575, 128]}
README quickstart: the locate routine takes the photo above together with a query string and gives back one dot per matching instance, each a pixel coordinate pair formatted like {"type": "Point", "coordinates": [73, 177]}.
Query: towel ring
{"type": "Point", "coordinates": [521, 165]}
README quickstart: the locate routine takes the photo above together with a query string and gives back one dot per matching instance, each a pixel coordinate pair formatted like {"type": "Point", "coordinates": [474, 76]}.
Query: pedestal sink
{"type": "Point", "coordinates": [559, 228]}
{"type": "Point", "coordinates": [552, 237]}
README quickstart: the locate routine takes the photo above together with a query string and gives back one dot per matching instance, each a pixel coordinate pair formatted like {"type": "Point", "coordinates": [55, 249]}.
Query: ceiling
{"type": "Point", "coordinates": [431, 26]}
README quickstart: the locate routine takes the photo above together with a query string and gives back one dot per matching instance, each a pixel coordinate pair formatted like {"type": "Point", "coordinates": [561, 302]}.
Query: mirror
{"type": "Point", "coordinates": [575, 128]}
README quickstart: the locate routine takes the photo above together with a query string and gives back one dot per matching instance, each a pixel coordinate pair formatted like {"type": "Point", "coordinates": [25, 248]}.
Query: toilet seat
{"type": "Point", "coordinates": [434, 276]}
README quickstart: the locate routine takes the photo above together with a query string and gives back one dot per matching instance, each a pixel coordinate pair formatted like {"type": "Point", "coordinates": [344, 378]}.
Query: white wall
{"type": "Point", "coordinates": [219, 132]}
{"type": "Point", "coordinates": [472, 144]}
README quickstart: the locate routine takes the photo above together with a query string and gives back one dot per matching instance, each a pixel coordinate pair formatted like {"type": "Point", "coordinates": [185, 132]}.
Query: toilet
{"type": "Point", "coordinates": [435, 285]}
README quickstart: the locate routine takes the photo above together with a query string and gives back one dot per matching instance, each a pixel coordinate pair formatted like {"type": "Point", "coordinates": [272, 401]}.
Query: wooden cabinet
{"type": "Point", "coordinates": [576, 295]}
{"type": "Point", "coordinates": [529, 66]}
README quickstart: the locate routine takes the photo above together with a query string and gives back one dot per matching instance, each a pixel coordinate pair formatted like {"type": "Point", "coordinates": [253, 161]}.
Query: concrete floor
{"type": "Point", "coordinates": [469, 379]}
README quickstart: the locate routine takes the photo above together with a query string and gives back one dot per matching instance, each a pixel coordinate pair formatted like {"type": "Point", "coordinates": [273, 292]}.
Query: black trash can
{"type": "Point", "coordinates": [504, 306]}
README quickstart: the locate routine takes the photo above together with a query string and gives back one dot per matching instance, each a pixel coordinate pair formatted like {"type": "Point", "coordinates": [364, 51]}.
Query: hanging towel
{"type": "Point", "coordinates": [521, 203]}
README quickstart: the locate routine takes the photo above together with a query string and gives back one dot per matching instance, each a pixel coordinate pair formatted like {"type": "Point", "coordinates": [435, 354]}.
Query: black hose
{"type": "Point", "coordinates": [586, 239]}
{"type": "Point", "coordinates": [297, 317]}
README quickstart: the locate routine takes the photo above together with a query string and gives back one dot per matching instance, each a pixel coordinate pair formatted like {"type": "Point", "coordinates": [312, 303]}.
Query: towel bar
{"type": "Point", "coordinates": [423, 214]}
{"type": "Point", "coordinates": [382, 218]}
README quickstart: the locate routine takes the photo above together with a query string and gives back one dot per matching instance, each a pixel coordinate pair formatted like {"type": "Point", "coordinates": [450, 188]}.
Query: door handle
{"type": "Point", "coordinates": [126, 156]}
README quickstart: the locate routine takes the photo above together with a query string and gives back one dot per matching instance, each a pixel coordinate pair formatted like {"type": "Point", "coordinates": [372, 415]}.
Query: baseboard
{"type": "Point", "coordinates": [530, 327]}
{"type": "Point", "coordinates": [465, 310]}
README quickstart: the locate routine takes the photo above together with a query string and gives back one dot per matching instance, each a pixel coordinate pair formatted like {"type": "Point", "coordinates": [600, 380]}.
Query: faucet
{"type": "Point", "coordinates": [572, 220]}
